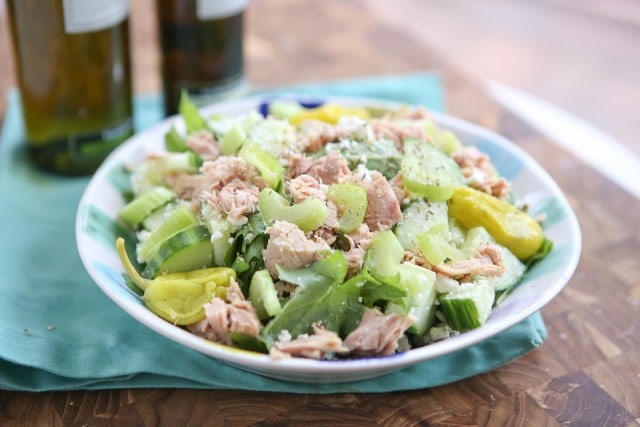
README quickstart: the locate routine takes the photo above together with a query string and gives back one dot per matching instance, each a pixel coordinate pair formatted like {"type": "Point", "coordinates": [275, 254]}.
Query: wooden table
{"type": "Point", "coordinates": [586, 373]}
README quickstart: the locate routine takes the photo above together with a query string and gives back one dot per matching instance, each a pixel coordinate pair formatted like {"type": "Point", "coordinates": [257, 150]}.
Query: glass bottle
{"type": "Point", "coordinates": [73, 70]}
{"type": "Point", "coordinates": [202, 50]}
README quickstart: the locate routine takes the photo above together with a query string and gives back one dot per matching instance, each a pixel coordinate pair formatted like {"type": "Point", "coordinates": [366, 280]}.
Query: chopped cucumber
{"type": "Point", "coordinates": [428, 171]}
{"type": "Point", "coordinates": [263, 295]}
{"type": "Point", "coordinates": [435, 245]}
{"type": "Point", "coordinates": [188, 250]}
{"type": "Point", "coordinates": [180, 220]}
{"type": "Point", "coordinates": [469, 307]}
{"type": "Point", "coordinates": [418, 218]}
{"type": "Point", "coordinates": [420, 303]}
{"type": "Point", "coordinates": [139, 208]}
{"type": "Point", "coordinates": [384, 256]}
{"type": "Point", "coordinates": [156, 218]}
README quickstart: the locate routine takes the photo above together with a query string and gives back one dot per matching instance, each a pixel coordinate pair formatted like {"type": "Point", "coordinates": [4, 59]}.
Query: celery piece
{"type": "Point", "coordinates": [263, 295]}
{"type": "Point", "coordinates": [428, 171]}
{"type": "Point", "coordinates": [307, 215]}
{"type": "Point", "coordinates": [444, 139]}
{"type": "Point", "coordinates": [268, 165]}
{"type": "Point", "coordinates": [351, 201]}
{"type": "Point", "coordinates": [435, 247]}
{"type": "Point", "coordinates": [232, 140]}
{"type": "Point", "coordinates": [193, 121]}
{"type": "Point", "coordinates": [284, 109]}
{"type": "Point", "coordinates": [173, 141]}
{"type": "Point", "coordinates": [469, 307]}
{"type": "Point", "coordinates": [384, 256]}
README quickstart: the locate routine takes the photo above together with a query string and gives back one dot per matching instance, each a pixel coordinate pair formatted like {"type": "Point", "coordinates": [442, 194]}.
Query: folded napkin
{"type": "Point", "coordinates": [58, 331]}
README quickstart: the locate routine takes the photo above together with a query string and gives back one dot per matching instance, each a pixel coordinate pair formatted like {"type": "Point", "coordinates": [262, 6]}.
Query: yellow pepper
{"type": "Point", "coordinates": [179, 297]}
{"type": "Point", "coordinates": [511, 227]}
{"type": "Point", "coordinates": [329, 113]}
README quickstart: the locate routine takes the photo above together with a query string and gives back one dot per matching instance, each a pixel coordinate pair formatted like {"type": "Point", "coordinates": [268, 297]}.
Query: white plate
{"type": "Point", "coordinates": [102, 201]}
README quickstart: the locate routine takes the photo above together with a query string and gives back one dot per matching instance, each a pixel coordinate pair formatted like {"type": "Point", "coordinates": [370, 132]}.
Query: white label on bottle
{"type": "Point", "coordinates": [83, 16]}
{"type": "Point", "coordinates": [218, 9]}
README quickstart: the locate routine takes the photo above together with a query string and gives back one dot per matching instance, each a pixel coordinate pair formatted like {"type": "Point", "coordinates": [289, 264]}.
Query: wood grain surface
{"type": "Point", "coordinates": [587, 373]}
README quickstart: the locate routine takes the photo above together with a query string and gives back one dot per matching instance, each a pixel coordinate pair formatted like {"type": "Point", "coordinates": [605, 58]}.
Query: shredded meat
{"type": "Point", "coordinates": [383, 207]}
{"type": "Point", "coordinates": [290, 248]}
{"type": "Point", "coordinates": [358, 244]}
{"type": "Point", "coordinates": [314, 346]}
{"type": "Point", "coordinates": [315, 134]}
{"type": "Point", "coordinates": [298, 164]}
{"type": "Point", "coordinates": [487, 262]}
{"type": "Point", "coordinates": [304, 186]}
{"type": "Point", "coordinates": [236, 199]}
{"type": "Point", "coordinates": [235, 315]}
{"type": "Point", "coordinates": [225, 169]}
{"type": "Point", "coordinates": [187, 186]}
{"type": "Point", "coordinates": [330, 169]}
{"type": "Point", "coordinates": [384, 128]}
{"type": "Point", "coordinates": [377, 334]}
{"type": "Point", "coordinates": [480, 173]}
{"type": "Point", "coordinates": [397, 185]}
{"type": "Point", "coordinates": [204, 144]}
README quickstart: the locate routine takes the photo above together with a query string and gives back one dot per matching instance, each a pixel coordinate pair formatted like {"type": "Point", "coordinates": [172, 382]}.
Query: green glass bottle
{"type": "Point", "coordinates": [202, 50]}
{"type": "Point", "coordinates": [74, 74]}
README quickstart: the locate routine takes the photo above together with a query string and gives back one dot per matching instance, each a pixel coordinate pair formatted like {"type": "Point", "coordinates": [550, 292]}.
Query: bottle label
{"type": "Point", "coordinates": [217, 9]}
{"type": "Point", "coordinates": [83, 16]}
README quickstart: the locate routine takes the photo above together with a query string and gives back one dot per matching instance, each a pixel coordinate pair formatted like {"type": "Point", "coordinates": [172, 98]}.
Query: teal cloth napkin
{"type": "Point", "coordinates": [58, 331]}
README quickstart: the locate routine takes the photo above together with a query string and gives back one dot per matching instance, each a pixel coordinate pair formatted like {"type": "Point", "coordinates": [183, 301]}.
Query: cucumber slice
{"type": "Point", "coordinates": [307, 215]}
{"type": "Point", "coordinates": [156, 218]}
{"type": "Point", "coordinates": [428, 171]}
{"type": "Point", "coordinates": [420, 303]}
{"type": "Point", "coordinates": [180, 220]}
{"type": "Point", "coordinates": [188, 250]}
{"type": "Point", "coordinates": [418, 218]}
{"type": "Point", "coordinates": [469, 307]}
{"type": "Point", "coordinates": [263, 295]}
{"type": "Point", "coordinates": [139, 208]}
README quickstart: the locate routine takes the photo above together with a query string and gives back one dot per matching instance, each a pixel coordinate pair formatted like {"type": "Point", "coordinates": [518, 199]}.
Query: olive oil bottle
{"type": "Point", "coordinates": [202, 50]}
{"type": "Point", "coordinates": [73, 71]}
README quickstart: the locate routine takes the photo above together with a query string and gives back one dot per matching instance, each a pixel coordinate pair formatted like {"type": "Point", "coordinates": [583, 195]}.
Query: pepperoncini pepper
{"type": "Point", "coordinates": [179, 297]}
{"type": "Point", "coordinates": [511, 227]}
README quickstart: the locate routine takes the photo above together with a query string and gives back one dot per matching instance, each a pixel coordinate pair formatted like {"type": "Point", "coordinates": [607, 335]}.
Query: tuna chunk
{"type": "Point", "coordinates": [304, 186]}
{"type": "Point", "coordinates": [384, 128]}
{"type": "Point", "coordinates": [358, 244]}
{"type": "Point", "coordinates": [315, 134]}
{"type": "Point", "coordinates": [187, 186]}
{"type": "Point", "coordinates": [204, 144]}
{"type": "Point", "coordinates": [236, 199]}
{"type": "Point", "coordinates": [480, 173]}
{"type": "Point", "coordinates": [289, 247]}
{"type": "Point", "coordinates": [377, 334]}
{"type": "Point", "coordinates": [383, 207]}
{"type": "Point", "coordinates": [225, 169]}
{"type": "Point", "coordinates": [314, 346]}
{"type": "Point", "coordinates": [487, 262]}
{"type": "Point", "coordinates": [330, 169]}
{"type": "Point", "coordinates": [235, 315]}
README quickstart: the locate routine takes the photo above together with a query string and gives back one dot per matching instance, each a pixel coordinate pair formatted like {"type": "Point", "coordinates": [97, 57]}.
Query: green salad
{"type": "Point", "coordinates": [323, 232]}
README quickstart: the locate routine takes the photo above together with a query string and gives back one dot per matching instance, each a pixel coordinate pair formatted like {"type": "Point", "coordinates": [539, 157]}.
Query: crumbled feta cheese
{"type": "Point", "coordinates": [284, 336]}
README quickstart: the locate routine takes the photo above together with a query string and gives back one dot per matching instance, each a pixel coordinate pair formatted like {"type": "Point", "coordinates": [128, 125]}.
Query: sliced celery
{"type": "Point", "coordinates": [384, 256]}
{"type": "Point", "coordinates": [351, 201]}
{"type": "Point", "coordinates": [263, 295]}
{"type": "Point", "coordinates": [268, 165]}
{"type": "Point", "coordinates": [173, 141]}
{"type": "Point", "coordinates": [435, 246]}
{"type": "Point", "coordinates": [307, 215]}
{"type": "Point", "coordinates": [284, 109]}
{"type": "Point", "coordinates": [233, 140]}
